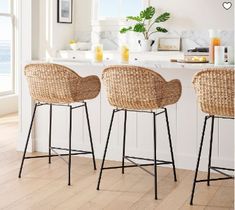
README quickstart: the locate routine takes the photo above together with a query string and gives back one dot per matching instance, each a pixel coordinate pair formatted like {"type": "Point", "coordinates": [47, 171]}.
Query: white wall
{"type": "Point", "coordinates": [196, 14]}
{"type": "Point", "coordinates": [35, 28]}
{"type": "Point", "coordinates": [83, 14]}
{"type": "Point", "coordinates": [48, 35]}
{"type": "Point", "coordinates": [8, 104]}
{"type": "Point", "coordinates": [25, 51]}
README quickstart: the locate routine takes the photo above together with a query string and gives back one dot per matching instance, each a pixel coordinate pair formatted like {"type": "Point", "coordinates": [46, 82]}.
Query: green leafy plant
{"type": "Point", "coordinates": [145, 22]}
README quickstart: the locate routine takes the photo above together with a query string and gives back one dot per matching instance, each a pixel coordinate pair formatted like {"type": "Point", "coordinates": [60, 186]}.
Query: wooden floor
{"type": "Point", "coordinates": [44, 186]}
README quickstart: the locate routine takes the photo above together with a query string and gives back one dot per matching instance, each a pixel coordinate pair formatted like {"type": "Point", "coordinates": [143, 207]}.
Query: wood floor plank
{"type": "Point", "coordinates": [58, 181]}
{"type": "Point", "coordinates": [223, 198]}
{"type": "Point", "coordinates": [165, 187]}
{"type": "Point", "coordinates": [113, 181]}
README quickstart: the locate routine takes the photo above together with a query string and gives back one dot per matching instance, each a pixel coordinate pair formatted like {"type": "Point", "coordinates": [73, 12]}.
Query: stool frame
{"type": "Point", "coordinates": [52, 148]}
{"type": "Point", "coordinates": [210, 167]}
{"type": "Point", "coordinates": [155, 161]}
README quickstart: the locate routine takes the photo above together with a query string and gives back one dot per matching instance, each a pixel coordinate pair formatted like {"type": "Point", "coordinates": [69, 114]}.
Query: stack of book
{"type": "Point", "coordinates": [196, 53]}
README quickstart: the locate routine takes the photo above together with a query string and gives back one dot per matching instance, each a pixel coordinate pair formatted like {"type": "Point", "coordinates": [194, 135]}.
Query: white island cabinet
{"type": "Point", "coordinates": [185, 119]}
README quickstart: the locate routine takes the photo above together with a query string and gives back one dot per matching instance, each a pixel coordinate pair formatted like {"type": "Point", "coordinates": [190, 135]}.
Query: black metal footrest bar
{"type": "Point", "coordinates": [76, 152]}
{"type": "Point", "coordinates": [134, 164]}
{"type": "Point", "coordinates": [139, 165]}
{"type": "Point", "coordinates": [127, 166]}
{"type": "Point", "coordinates": [215, 179]}
{"type": "Point", "coordinates": [79, 152]}
{"type": "Point", "coordinates": [159, 162]}
{"type": "Point", "coordinates": [218, 170]}
{"type": "Point", "coordinates": [44, 156]}
{"type": "Point", "coordinates": [73, 150]}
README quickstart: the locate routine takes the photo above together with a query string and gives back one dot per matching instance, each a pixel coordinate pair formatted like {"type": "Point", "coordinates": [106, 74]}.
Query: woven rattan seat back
{"type": "Point", "coordinates": [215, 91]}
{"type": "Point", "coordinates": [53, 83]}
{"type": "Point", "coordinates": [133, 87]}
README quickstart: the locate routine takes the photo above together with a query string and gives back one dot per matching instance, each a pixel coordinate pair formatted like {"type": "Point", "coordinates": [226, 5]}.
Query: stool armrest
{"type": "Point", "coordinates": [171, 92]}
{"type": "Point", "coordinates": [88, 88]}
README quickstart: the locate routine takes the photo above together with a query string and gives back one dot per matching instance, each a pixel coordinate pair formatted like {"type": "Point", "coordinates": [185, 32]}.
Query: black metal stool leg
{"type": "Point", "coordinates": [50, 123]}
{"type": "Point", "coordinates": [198, 160]}
{"type": "Point", "coordinates": [210, 151]}
{"type": "Point", "coordinates": [124, 141]}
{"type": "Point", "coordinates": [105, 150]}
{"type": "Point", "coordinates": [70, 144]}
{"type": "Point", "coordinates": [89, 130]}
{"type": "Point", "coordinates": [27, 141]}
{"type": "Point", "coordinates": [155, 155]}
{"type": "Point", "coordinates": [170, 143]}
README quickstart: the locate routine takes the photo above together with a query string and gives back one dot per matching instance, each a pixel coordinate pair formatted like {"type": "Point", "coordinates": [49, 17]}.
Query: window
{"type": "Point", "coordinates": [118, 8]}
{"type": "Point", "coordinates": [7, 79]}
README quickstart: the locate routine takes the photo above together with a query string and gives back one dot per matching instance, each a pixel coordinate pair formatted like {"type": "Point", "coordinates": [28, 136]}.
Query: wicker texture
{"type": "Point", "coordinates": [53, 83]}
{"type": "Point", "coordinates": [133, 87]}
{"type": "Point", "coordinates": [215, 91]}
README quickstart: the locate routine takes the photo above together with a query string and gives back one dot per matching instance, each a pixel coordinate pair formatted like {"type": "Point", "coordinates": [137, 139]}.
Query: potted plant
{"type": "Point", "coordinates": [144, 24]}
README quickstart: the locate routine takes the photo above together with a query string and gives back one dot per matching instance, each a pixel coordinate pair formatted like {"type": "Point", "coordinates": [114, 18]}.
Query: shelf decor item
{"type": "Point", "coordinates": [169, 44]}
{"type": "Point", "coordinates": [214, 41]}
{"type": "Point", "coordinates": [73, 45]}
{"type": "Point", "coordinates": [124, 52]}
{"type": "Point", "coordinates": [64, 11]}
{"type": "Point", "coordinates": [98, 53]}
{"type": "Point", "coordinates": [219, 55]}
{"type": "Point", "coordinates": [144, 24]}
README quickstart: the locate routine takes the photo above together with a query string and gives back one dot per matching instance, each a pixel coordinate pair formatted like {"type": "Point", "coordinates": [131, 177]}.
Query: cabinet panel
{"type": "Point", "coordinates": [144, 141]}
{"type": "Point", "coordinates": [187, 123]}
{"type": "Point", "coordinates": [131, 131]}
{"type": "Point", "coordinates": [200, 122]}
{"type": "Point", "coordinates": [162, 134]}
{"type": "Point", "coordinates": [226, 140]}
{"type": "Point", "coordinates": [105, 114]}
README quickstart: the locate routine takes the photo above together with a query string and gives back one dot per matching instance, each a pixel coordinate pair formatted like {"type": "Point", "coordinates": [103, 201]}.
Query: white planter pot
{"type": "Point", "coordinates": [74, 46]}
{"type": "Point", "coordinates": [146, 45]}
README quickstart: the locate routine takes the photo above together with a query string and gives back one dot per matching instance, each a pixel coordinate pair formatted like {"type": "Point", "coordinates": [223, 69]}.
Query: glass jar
{"type": "Point", "coordinates": [124, 54]}
{"type": "Point", "coordinates": [214, 41]}
{"type": "Point", "coordinates": [98, 53]}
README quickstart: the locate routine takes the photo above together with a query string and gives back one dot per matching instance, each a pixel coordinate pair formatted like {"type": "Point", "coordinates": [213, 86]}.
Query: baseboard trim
{"type": "Point", "coordinates": [8, 104]}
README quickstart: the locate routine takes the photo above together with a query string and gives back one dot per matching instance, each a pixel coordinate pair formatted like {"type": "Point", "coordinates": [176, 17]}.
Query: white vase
{"type": "Point", "coordinates": [74, 46]}
{"type": "Point", "coordinates": [146, 44]}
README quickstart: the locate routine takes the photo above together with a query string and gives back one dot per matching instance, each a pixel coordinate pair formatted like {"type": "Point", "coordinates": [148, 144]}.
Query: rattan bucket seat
{"type": "Point", "coordinates": [57, 85]}
{"type": "Point", "coordinates": [138, 89]}
{"type": "Point", "coordinates": [215, 92]}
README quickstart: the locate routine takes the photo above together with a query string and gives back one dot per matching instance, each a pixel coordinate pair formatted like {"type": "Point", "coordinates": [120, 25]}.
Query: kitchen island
{"type": "Point", "coordinates": [185, 119]}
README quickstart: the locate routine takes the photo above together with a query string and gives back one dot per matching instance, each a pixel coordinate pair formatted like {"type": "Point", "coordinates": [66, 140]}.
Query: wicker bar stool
{"type": "Point", "coordinates": [215, 92]}
{"type": "Point", "coordinates": [56, 85]}
{"type": "Point", "coordinates": [138, 89]}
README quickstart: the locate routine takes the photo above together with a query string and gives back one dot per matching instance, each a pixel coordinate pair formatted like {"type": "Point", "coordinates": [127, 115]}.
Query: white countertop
{"type": "Point", "coordinates": [153, 64]}
{"type": "Point", "coordinates": [154, 59]}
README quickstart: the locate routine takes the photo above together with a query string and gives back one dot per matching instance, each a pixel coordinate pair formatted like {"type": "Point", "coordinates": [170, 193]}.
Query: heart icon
{"type": "Point", "coordinates": [227, 5]}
